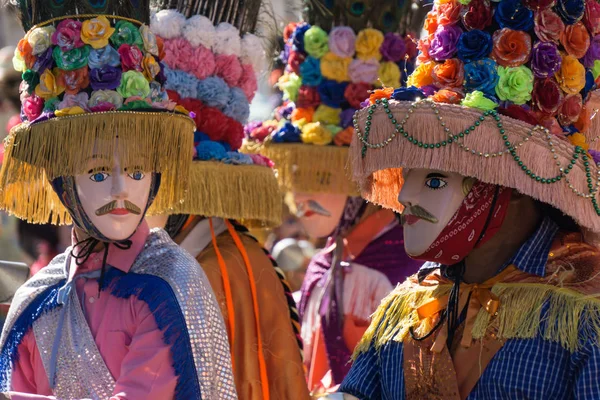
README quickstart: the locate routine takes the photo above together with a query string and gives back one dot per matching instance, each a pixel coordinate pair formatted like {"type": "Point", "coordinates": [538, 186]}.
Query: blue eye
{"type": "Point", "coordinates": [99, 176]}
{"type": "Point", "coordinates": [137, 175]}
{"type": "Point", "coordinates": [435, 183]}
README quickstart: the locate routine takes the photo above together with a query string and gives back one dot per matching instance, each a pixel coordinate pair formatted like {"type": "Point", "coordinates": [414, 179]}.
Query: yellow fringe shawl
{"type": "Point", "coordinates": [36, 154]}
{"type": "Point", "coordinates": [519, 315]}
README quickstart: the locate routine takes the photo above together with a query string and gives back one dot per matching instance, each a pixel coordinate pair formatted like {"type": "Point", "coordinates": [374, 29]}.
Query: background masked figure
{"type": "Point", "coordinates": [211, 67]}
{"type": "Point", "coordinates": [124, 313]}
{"type": "Point", "coordinates": [330, 69]}
{"type": "Point", "coordinates": [500, 196]}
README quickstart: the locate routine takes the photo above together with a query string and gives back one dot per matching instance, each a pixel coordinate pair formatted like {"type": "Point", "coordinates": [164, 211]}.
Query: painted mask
{"type": "Point", "coordinates": [320, 213]}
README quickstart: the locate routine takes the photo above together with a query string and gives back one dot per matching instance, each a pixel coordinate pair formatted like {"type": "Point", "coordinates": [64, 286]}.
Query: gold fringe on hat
{"type": "Point", "coordinates": [247, 193]}
{"type": "Point", "coordinates": [308, 168]}
{"type": "Point", "coordinates": [36, 154]}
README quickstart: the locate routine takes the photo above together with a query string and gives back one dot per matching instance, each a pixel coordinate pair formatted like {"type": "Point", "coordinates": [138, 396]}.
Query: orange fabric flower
{"type": "Point", "coordinates": [344, 138]}
{"type": "Point", "coordinates": [590, 109]}
{"type": "Point", "coordinates": [449, 74]}
{"type": "Point", "coordinates": [378, 94]}
{"type": "Point", "coordinates": [161, 47]}
{"type": "Point", "coordinates": [448, 12]}
{"type": "Point", "coordinates": [26, 52]}
{"type": "Point", "coordinates": [511, 48]}
{"type": "Point", "coordinates": [447, 96]}
{"type": "Point", "coordinates": [575, 39]}
{"type": "Point", "coordinates": [431, 23]}
{"type": "Point", "coordinates": [571, 75]}
{"type": "Point", "coordinates": [303, 113]}
{"type": "Point", "coordinates": [73, 81]}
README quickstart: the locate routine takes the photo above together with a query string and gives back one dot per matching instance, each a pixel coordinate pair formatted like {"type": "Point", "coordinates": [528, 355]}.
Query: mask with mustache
{"type": "Point", "coordinates": [311, 207]}
{"type": "Point", "coordinates": [129, 206]}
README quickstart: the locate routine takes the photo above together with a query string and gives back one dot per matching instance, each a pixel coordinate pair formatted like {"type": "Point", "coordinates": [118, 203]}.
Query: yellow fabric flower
{"type": "Point", "coordinates": [290, 84]}
{"type": "Point", "coordinates": [151, 67]}
{"type": "Point", "coordinates": [368, 43]}
{"type": "Point", "coordinates": [182, 110]}
{"type": "Point", "coordinates": [18, 62]}
{"type": "Point", "coordinates": [571, 76]}
{"type": "Point", "coordinates": [422, 75]}
{"type": "Point", "coordinates": [40, 39]}
{"type": "Point", "coordinates": [49, 86]}
{"type": "Point", "coordinates": [69, 111]}
{"type": "Point", "coordinates": [316, 133]}
{"type": "Point", "coordinates": [335, 67]}
{"type": "Point", "coordinates": [150, 43]}
{"type": "Point", "coordinates": [389, 74]}
{"type": "Point", "coordinates": [577, 139]}
{"type": "Point", "coordinates": [96, 32]}
{"type": "Point", "coordinates": [327, 115]}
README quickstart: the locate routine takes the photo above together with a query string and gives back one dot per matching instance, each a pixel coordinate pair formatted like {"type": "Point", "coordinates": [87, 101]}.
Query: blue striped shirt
{"type": "Point", "coordinates": [522, 368]}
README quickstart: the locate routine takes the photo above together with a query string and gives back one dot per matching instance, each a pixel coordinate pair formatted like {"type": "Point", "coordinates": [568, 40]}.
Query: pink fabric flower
{"type": "Point", "coordinates": [103, 106]}
{"type": "Point", "coordinates": [364, 70]}
{"type": "Point", "coordinates": [131, 58]}
{"type": "Point", "coordinates": [67, 35]}
{"type": "Point", "coordinates": [570, 109]}
{"type": "Point", "coordinates": [229, 68]}
{"type": "Point", "coordinates": [202, 64]}
{"type": "Point", "coordinates": [178, 53]}
{"type": "Point", "coordinates": [75, 100]}
{"type": "Point", "coordinates": [248, 82]}
{"type": "Point", "coordinates": [32, 107]}
{"type": "Point", "coordinates": [548, 26]}
{"type": "Point", "coordinates": [342, 41]}
{"type": "Point", "coordinates": [591, 17]}
{"type": "Point", "coordinates": [259, 159]}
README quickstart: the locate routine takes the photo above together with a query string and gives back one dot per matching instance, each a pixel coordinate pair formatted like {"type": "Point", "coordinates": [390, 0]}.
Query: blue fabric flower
{"type": "Point", "coordinates": [332, 93]}
{"type": "Point", "coordinates": [514, 15]}
{"type": "Point", "coordinates": [209, 150]}
{"type": "Point", "coordinates": [288, 133]}
{"type": "Point", "coordinates": [105, 56]}
{"type": "Point", "coordinates": [590, 83]}
{"type": "Point", "coordinates": [310, 70]}
{"type": "Point", "coordinates": [225, 145]}
{"type": "Point", "coordinates": [411, 93]}
{"type": "Point", "coordinates": [213, 91]}
{"type": "Point", "coordinates": [237, 107]}
{"type": "Point", "coordinates": [570, 130]}
{"type": "Point", "coordinates": [236, 158]}
{"type": "Point", "coordinates": [481, 75]}
{"type": "Point", "coordinates": [474, 45]}
{"type": "Point", "coordinates": [298, 37]}
{"type": "Point", "coordinates": [183, 83]}
{"type": "Point", "coordinates": [571, 11]}
{"type": "Point", "coordinates": [200, 137]}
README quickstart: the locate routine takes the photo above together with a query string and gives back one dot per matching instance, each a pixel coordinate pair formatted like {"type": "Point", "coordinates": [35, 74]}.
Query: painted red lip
{"type": "Point", "coordinates": [120, 211]}
{"type": "Point", "coordinates": [411, 219]}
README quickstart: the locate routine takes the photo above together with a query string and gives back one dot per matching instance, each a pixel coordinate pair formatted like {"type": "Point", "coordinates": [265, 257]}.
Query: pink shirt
{"type": "Point", "coordinates": [124, 330]}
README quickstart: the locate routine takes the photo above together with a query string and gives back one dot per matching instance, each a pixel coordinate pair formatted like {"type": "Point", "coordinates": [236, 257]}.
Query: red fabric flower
{"type": "Point", "coordinates": [548, 26]}
{"type": "Point", "coordinates": [519, 113]}
{"type": "Point", "coordinates": [570, 109]}
{"type": "Point", "coordinates": [212, 122]}
{"type": "Point", "coordinates": [448, 12]}
{"type": "Point", "coordinates": [173, 96]}
{"type": "Point", "coordinates": [289, 30]}
{"type": "Point", "coordinates": [356, 93]}
{"type": "Point", "coordinates": [591, 17]}
{"type": "Point", "coordinates": [308, 97]}
{"type": "Point", "coordinates": [295, 60]}
{"type": "Point", "coordinates": [478, 15]}
{"type": "Point", "coordinates": [575, 39]}
{"type": "Point", "coordinates": [546, 96]}
{"type": "Point", "coordinates": [537, 5]}
{"type": "Point", "coordinates": [131, 58]}
{"type": "Point", "coordinates": [235, 134]}
{"type": "Point", "coordinates": [511, 48]}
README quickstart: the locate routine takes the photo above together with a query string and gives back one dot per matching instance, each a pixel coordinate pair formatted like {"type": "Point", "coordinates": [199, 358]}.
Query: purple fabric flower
{"type": "Point", "coordinates": [346, 117]}
{"type": "Point", "coordinates": [161, 77]}
{"type": "Point", "coordinates": [365, 103]}
{"type": "Point", "coordinates": [45, 116]}
{"type": "Point", "coordinates": [595, 155]}
{"type": "Point", "coordinates": [445, 42]}
{"type": "Point", "coordinates": [105, 78]}
{"type": "Point", "coordinates": [428, 90]}
{"type": "Point", "coordinates": [43, 62]}
{"type": "Point", "coordinates": [393, 47]}
{"type": "Point", "coordinates": [250, 126]}
{"type": "Point", "coordinates": [593, 52]}
{"type": "Point", "coordinates": [545, 59]}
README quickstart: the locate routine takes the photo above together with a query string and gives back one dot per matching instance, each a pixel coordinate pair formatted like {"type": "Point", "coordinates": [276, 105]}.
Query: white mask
{"type": "Point", "coordinates": [321, 212]}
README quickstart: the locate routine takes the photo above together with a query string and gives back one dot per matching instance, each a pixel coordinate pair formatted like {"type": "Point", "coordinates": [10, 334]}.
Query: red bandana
{"type": "Point", "coordinates": [463, 231]}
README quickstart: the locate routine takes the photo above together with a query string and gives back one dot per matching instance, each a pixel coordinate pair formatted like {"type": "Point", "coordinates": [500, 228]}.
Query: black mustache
{"type": "Point", "coordinates": [421, 213]}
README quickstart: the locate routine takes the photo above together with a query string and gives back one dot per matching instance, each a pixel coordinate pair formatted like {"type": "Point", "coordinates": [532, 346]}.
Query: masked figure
{"type": "Point", "coordinates": [124, 313]}
{"type": "Point", "coordinates": [500, 197]}
{"type": "Point", "coordinates": [216, 82]}
{"type": "Point", "coordinates": [328, 74]}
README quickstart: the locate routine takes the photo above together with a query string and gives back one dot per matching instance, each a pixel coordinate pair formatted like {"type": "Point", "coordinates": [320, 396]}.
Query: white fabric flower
{"type": "Point", "coordinates": [199, 30]}
{"type": "Point", "coordinates": [40, 39]}
{"type": "Point", "coordinates": [227, 40]}
{"type": "Point", "coordinates": [168, 24]}
{"type": "Point", "coordinates": [106, 96]}
{"type": "Point", "coordinates": [253, 53]}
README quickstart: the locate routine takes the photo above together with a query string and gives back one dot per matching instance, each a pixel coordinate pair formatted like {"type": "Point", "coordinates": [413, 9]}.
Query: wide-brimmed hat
{"type": "Point", "coordinates": [506, 93]}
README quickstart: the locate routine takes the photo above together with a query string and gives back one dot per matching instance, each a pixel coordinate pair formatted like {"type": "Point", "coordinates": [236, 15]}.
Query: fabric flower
{"type": "Point", "coordinates": [477, 99]}
{"type": "Point", "coordinates": [131, 58]}
{"type": "Point", "coordinates": [98, 58]}
{"type": "Point", "coordinates": [346, 117]}
{"type": "Point", "coordinates": [214, 92]}
{"type": "Point", "coordinates": [294, 61]}
{"type": "Point", "coordinates": [407, 94]}
{"type": "Point", "coordinates": [150, 67]}
{"type": "Point", "coordinates": [327, 115]}
{"type": "Point", "coordinates": [481, 75]}
{"type": "Point", "coordinates": [96, 32]}
{"type": "Point", "coordinates": [287, 133]}
{"type": "Point", "coordinates": [545, 59]}
{"type": "Point", "coordinates": [515, 84]}
{"type": "Point", "coordinates": [445, 42]}
{"type": "Point", "coordinates": [512, 14]}
{"type": "Point", "coordinates": [571, 75]}
{"type": "Point", "coordinates": [43, 61]}
{"type": "Point", "coordinates": [342, 41]}
{"type": "Point", "coordinates": [302, 114]}
{"type": "Point", "coordinates": [68, 35]}
{"type": "Point", "coordinates": [344, 138]}
{"type": "Point", "coordinates": [308, 97]}
{"type": "Point", "coordinates": [48, 86]}
{"type": "Point", "coordinates": [548, 26]}
{"type": "Point", "coordinates": [591, 17]}
{"type": "Point", "coordinates": [423, 45]}
{"type": "Point", "coordinates": [547, 96]}
{"type": "Point", "coordinates": [298, 37]}
{"type": "Point", "coordinates": [105, 78]}
{"type": "Point", "coordinates": [378, 94]}
{"type": "Point", "coordinates": [393, 47]}
{"type": "Point", "coordinates": [316, 133]}
{"type": "Point", "coordinates": [65, 112]}
{"type": "Point", "coordinates": [32, 78]}
{"type": "Point", "coordinates": [449, 74]}
{"type": "Point", "coordinates": [310, 70]}
{"type": "Point", "coordinates": [536, 5]}
{"type": "Point", "coordinates": [72, 59]}
{"type": "Point", "coordinates": [368, 43]}
{"type": "Point", "coordinates": [411, 46]}
{"type": "Point", "coordinates": [511, 48]}
{"type": "Point", "coordinates": [478, 15]}
{"type": "Point", "coordinates": [356, 93]}
{"type": "Point", "coordinates": [474, 45]}
{"type": "Point", "coordinates": [178, 53]}
{"type": "Point", "coordinates": [126, 33]}
{"type": "Point", "coordinates": [24, 58]}
{"type": "Point", "coordinates": [133, 83]}
{"type": "Point", "coordinates": [332, 93]}
{"type": "Point", "coordinates": [105, 96]}
{"type": "Point", "coordinates": [74, 100]}
{"type": "Point", "coordinates": [73, 81]}
{"type": "Point", "coordinates": [288, 31]}
{"type": "Point", "coordinates": [228, 67]}
{"type": "Point", "coordinates": [316, 42]}
{"type": "Point", "coordinates": [204, 64]}
{"type": "Point", "coordinates": [389, 74]}
{"type": "Point", "coordinates": [248, 82]}
{"type": "Point", "coordinates": [431, 23]}
{"type": "Point", "coordinates": [33, 107]}
{"type": "Point", "coordinates": [570, 109]}
{"type": "Point", "coordinates": [593, 52]}
{"type": "Point", "coordinates": [447, 96]}
{"type": "Point", "coordinates": [575, 39]}
{"type": "Point", "coordinates": [448, 12]}
{"type": "Point", "coordinates": [570, 11]}
{"type": "Point", "coordinates": [334, 67]}
{"type": "Point", "coordinates": [149, 40]}
{"type": "Point", "coordinates": [596, 69]}
{"type": "Point", "coordinates": [40, 39]}
{"type": "Point", "coordinates": [422, 75]}
{"type": "Point", "coordinates": [519, 113]}
{"type": "Point", "coordinates": [289, 84]}
{"type": "Point", "coordinates": [363, 70]}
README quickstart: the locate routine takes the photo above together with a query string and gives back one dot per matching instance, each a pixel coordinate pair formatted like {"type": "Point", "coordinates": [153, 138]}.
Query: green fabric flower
{"type": "Point", "coordinates": [126, 32]}
{"type": "Point", "coordinates": [334, 129]}
{"type": "Point", "coordinates": [51, 104]}
{"type": "Point", "coordinates": [32, 78]}
{"type": "Point", "coordinates": [464, 2]}
{"type": "Point", "coordinates": [477, 99]}
{"type": "Point", "coordinates": [316, 42]}
{"type": "Point", "coordinates": [133, 83]}
{"type": "Point", "coordinates": [515, 84]}
{"type": "Point", "coordinates": [290, 84]}
{"type": "Point", "coordinates": [596, 69]}
{"type": "Point", "coordinates": [135, 105]}
{"type": "Point", "coordinates": [72, 59]}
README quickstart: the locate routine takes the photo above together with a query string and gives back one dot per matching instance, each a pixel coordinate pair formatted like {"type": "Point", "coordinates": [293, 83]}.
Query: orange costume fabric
{"type": "Point", "coordinates": [280, 352]}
